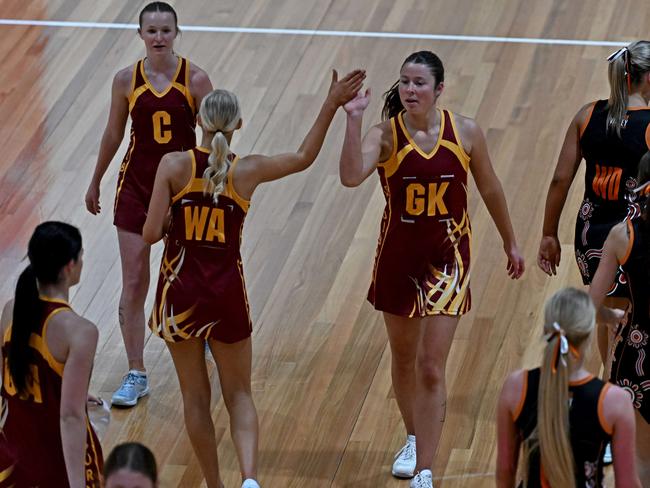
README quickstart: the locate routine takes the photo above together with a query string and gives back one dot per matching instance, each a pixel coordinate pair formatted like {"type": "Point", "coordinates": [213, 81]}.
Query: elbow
{"type": "Point", "coordinates": [349, 182]}
{"type": "Point", "coordinates": [72, 416]}
{"type": "Point", "coordinates": [150, 237]}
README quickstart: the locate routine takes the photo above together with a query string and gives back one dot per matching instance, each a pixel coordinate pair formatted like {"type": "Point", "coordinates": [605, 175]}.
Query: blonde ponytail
{"type": "Point", "coordinates": [220, 114]}
{"type": "Point", "coordinates": [626, 68]}
{"type": "Point", "coordinates": [618, 93]}
{"type": "Point", "coordinates": [569, 318]}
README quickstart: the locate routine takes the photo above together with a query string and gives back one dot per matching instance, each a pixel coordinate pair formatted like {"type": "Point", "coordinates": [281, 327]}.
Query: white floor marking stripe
{"type": "Point", "coordinates": [325, 33]}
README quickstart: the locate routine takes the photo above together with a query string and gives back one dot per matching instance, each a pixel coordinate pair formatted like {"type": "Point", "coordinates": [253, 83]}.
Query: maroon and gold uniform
{"type": "Point", "coordinates": [30, 445]}
{"type": "Point", "coordinates": [161, 122]}
{"type": "Point", "coordinates": [201, 291]}
{"type": "Point", "coordinates": [423, 255]}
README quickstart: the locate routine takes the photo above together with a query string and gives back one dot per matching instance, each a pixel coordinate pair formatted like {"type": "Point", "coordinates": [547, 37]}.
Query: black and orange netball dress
{"type": "Point", "coordinates": [161, 122]}
{"type": "Point", "coordinates": [610, 178]}
{"type": "Point", "coordinates": [201, 291]}
{"type": "Point", "coordinates": [423, 256]}
{"type": "Point", "coordinates": [589, 432]}
{"type": "Point", "coordinates": [631, 365]}
{"type": "Point", "coordinates": [30, 443]}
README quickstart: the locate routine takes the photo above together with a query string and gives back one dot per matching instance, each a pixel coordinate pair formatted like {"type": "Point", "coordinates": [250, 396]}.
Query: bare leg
{"type": "Point", "coordinates": [605, 334]}
{"type": "Point", "coordinates": [431, 391]}
{"type": "Point", "coordinates": [643, 449]}
{"type": "Point", "coordinates": [134, 253]}
{"type": "Point", "coordinates": [234, 365]}
{"type": "Point", "coordinates": [189, 361]}
{"type": "Point", "coordinates": [403, 336]}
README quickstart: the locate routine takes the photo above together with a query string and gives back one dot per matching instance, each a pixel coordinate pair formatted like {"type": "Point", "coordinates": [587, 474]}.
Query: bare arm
{"type": "Point", "coordinates": [173, 173]}
{"type": "Point", "coordinates": [360, 158]}
{"type": "Point", "coordinates": [82, 337]}
{"type": "Point", "coordinates": [255, 169]}
{"type": "Point", "coordinates": [619, 413]}
{"type": "Point", "coordinates": [548, 257]}
{"type": "Point", "coordinates": [200, 85]}
{"type": "Point", "coordinates": [508, 439]}
{"type": "Point", "coordinates": [614, 251]}
{"type": "Point", "coordinates": [492, 194]}
{"type": "Point", "coordinates": [112, 138]}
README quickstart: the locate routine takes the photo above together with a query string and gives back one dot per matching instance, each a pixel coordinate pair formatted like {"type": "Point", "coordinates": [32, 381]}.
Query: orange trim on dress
{"type": "Point", "coordinates": [459, 142]}
{"type": "Point", "coordinates": [601, 416]}
{"type": "Point", "coordinates": [414, 144]}
{"type": "Point", "coordinates": [171, 84]}
{"type": "Point", "coordinates": [628, 251]}
{"type": "Point", "coordinates": [584, 125]}
{"type": "Point", "coordinates": [522, 399]}
{"type": "Point", "coordinates": [582, 381]}
{"type": "Point", "coordinates": [230, 187]}
{"type": "Point", "coordinates": [647, 136]}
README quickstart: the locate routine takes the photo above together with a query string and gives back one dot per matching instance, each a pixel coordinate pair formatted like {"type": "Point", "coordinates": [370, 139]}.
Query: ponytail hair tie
{"type": "Point", "coordinates": [561, 348]}
{"type": "Point", "coordinates": [625, 52]}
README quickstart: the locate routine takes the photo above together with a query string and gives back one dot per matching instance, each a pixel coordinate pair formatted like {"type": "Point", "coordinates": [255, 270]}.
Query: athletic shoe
{"type": "Point", "coordinates": [607, 455]}
{"type": "Point", "coordinates": [134, 386]}
{"type": "Point", "coordinates": [405, 459]}
{"type": "Point", "coordinates": [250, 483]}
{"type": "Point", "coordinates": [424, 479]}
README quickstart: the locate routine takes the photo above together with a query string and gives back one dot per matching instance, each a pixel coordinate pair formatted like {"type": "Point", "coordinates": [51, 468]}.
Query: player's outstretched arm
{"type": "Point", "coordinates": [256, 168]}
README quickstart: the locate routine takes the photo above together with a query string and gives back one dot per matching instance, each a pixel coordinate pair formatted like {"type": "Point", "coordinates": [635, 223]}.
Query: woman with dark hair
{"type": "Point", "coordinates": [161, 93]}
{"type": "Point", "coordinates": [130, 465]}
{"type": "Point", "coordinates": [48, 352]}
{"type": "Point", "coordinates": [536, 406]}
{"type": "Point", "coordinates": [628, 247]}
{"type": "Point", "coordinates": [201, 295]}
{"type": "Point", "coordinates": [611, 136]}
{"type": "Point", "coordinates": [421, 276]}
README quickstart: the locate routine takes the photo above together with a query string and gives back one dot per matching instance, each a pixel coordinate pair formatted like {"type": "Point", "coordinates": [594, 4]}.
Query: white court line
{"type": "Point", "coordinates": [461, 476]}
{"type": "Point", "coordinates": [325, 33]}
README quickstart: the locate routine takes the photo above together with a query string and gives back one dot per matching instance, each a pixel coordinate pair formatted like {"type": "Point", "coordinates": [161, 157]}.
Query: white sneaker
{"type": "Point", "coordinates": [250, 483]}
{"type": "Point", "coordinates": [134, 386]}
{"type": "Point", "coordinates": [405, 459]}
{"type": "Point", "coordinates": [424, 479]}
{"type": "Point", "coordinates": [607, 455]}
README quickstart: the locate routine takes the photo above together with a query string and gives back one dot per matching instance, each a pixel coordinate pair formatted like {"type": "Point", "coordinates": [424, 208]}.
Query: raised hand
{"type": "Point", "coordinates": [358, 104]}
{"type": "Point", "coordinates": [343, 91]}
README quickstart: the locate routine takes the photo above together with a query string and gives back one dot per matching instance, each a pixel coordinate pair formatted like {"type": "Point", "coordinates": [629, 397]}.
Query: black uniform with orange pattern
{"type": "Point", "coordinates": [31, 454]}
{"type": "Point", "coordinates": [589, 432]}
{"type": "Point", "coordinates": [201, 291]}
{"type": "Point", "coordinates": [423, 256]}
{"type": "Point", "coordinates": [161, 122]}
{"type": "Point", "coordinates": [631, 366]}
{"type": "Point", "coordinates": [610, 178]}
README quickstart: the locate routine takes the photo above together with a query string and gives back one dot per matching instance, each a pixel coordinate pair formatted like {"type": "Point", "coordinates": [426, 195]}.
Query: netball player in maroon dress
{"type": "Point", "coordinates": [201, 293]}
{"type": "Point", "coordinates": [161, 93]}
{"type": "Point", "coordinates": [46, 439]}
{"type": "Point", "coordinates": [421, 275]}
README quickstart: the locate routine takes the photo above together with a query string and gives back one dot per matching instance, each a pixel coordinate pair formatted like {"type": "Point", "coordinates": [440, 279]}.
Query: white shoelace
{"type": "Point", "coordinates": [407, 452]}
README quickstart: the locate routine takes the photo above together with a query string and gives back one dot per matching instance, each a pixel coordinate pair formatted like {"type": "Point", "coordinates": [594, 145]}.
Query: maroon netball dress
{"type": "Point", "coordinates": [161, 122]}
{"type": "Point", "coordinates": [201, 291]}
{"type": "Point", "coordinates": [31, 453]}
{"type": "Point", "coordinates": [423, 256]}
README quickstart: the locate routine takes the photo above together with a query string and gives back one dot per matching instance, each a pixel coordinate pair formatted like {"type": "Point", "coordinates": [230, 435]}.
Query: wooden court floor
{"type": "Point", "coordinates": [321, 374]}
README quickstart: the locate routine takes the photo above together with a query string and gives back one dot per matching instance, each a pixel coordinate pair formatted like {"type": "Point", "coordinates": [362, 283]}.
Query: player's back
{"type": "Point", "coordinates": [31, 440]}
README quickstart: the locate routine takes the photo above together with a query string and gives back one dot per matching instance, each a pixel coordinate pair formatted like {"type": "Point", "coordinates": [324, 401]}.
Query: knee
{"type": "Point", "coordinates": [403, 363]}
{"type": "Point", "coordinates": [430, 373]}
{"type": "Point", "coordinates": [233, 396]}
{"type": "Point", "coordinates": [196, 408]}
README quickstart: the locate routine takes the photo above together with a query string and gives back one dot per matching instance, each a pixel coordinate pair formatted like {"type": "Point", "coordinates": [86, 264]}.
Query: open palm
{"type": "Point", "coordinates": [359, 103]}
